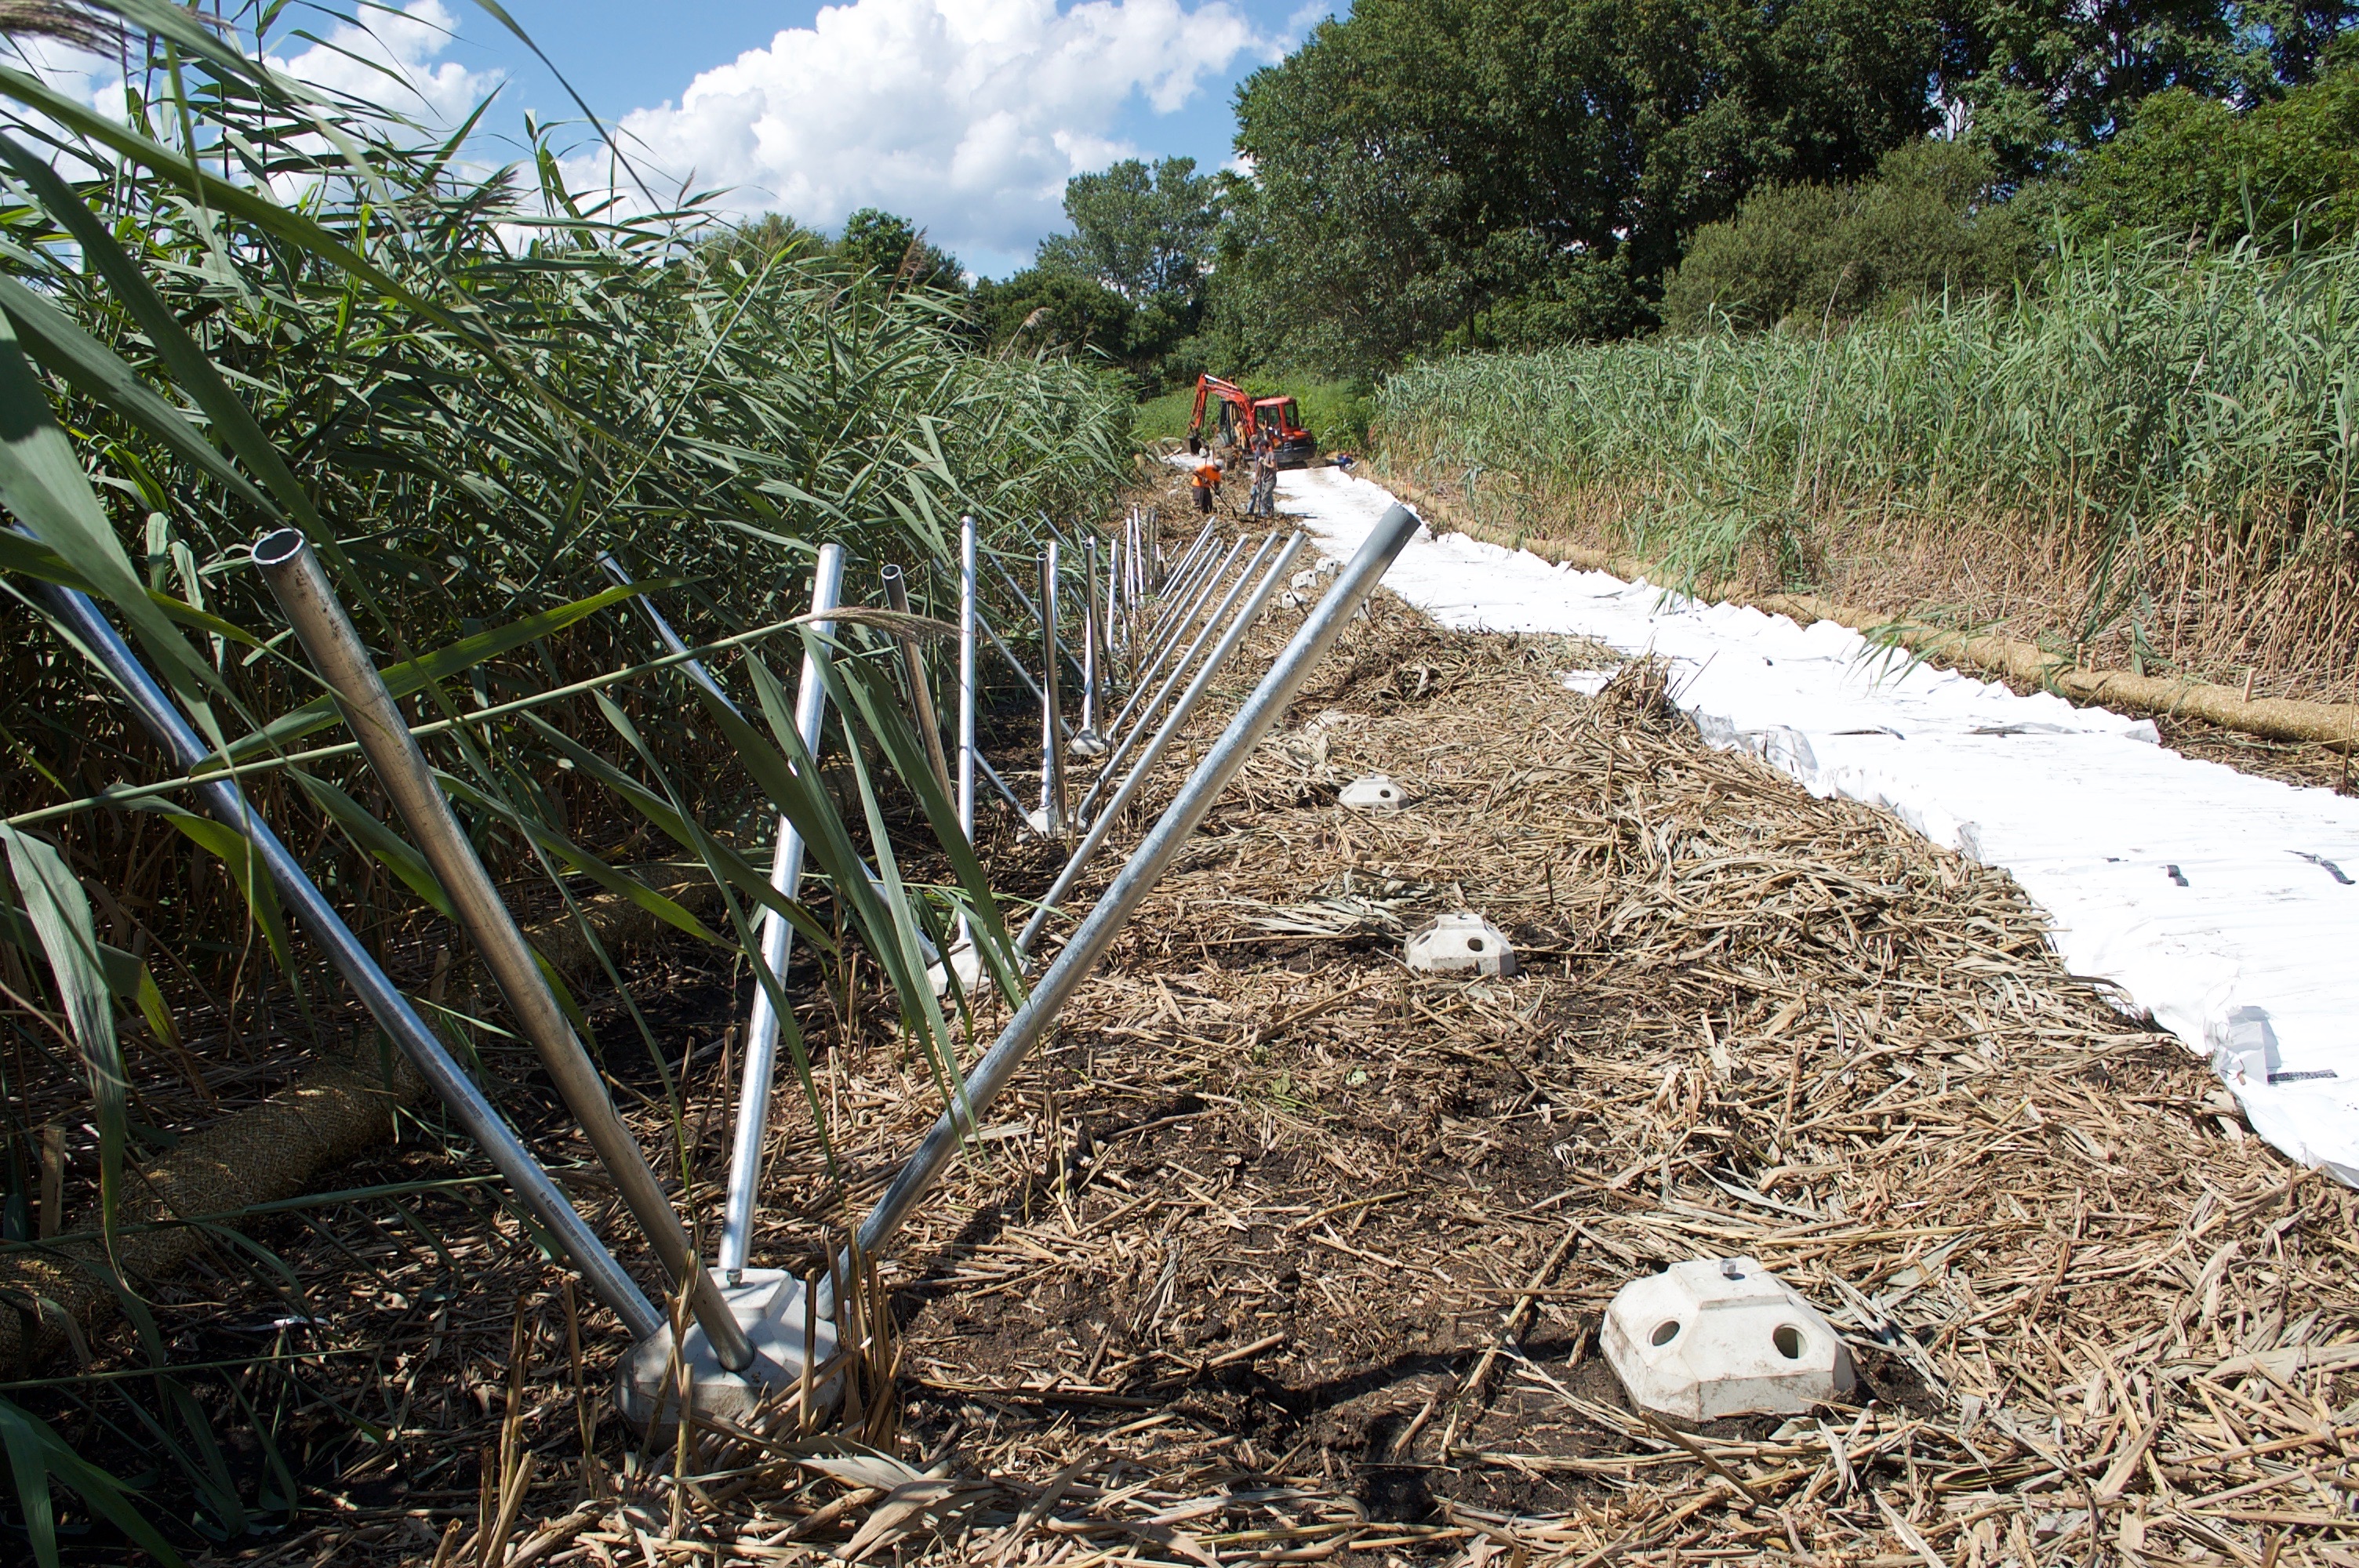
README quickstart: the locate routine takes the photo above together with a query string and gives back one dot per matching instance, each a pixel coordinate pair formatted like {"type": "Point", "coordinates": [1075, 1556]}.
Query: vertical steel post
{"type": "Point", "coordinates": [776, 942]}
{"type": "Point", "coordinates": [1117, 563]}
{"type": "Point", "coordinates": [966, 678]}
{"type": "Point", "coordinates": [1052, 736]}
{"type": "Point", "coordinates": [1089, 743]}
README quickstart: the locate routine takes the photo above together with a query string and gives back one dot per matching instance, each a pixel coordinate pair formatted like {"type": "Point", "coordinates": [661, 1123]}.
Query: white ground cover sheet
{"type": "Point", "coordinates": [2223, 905]}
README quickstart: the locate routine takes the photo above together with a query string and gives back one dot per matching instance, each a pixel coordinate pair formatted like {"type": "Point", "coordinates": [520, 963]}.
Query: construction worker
{"type": "Point", "coordinates": [1207, 481]}
{"type": "Point", "coordinates": [1264, 502]}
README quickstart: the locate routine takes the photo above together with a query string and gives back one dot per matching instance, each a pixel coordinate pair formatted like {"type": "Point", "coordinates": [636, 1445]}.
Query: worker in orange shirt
{"type": "Point", "coordinates": [1207, 482]}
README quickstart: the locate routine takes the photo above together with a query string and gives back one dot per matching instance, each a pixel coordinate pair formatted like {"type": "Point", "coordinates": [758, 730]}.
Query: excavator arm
{"type": "Point", "coordinates": [1228, 392]}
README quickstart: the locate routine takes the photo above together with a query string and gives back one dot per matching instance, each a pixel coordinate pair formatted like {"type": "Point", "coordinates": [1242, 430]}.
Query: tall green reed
{"type": "Point", "coordinates": [239, 305]}
{"type": "Point", "coordinates": [2141, 394]}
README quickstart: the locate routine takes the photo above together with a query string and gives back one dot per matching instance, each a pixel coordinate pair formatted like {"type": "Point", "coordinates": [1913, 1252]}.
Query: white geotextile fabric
{"type": "Point", "coordinates": [2221, 904]}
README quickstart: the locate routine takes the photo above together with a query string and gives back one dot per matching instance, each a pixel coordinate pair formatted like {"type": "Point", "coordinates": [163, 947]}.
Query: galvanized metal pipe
{"type": "Point", "coordinates": [1092, 636]}
{"type": "Point", "coordinates": [1132, 884]}
{"type": "Point", "coordinates": [1006, 791]}
{"type": "Point", "coordinates": [1177, 631]}
{"type": "Point", "coordinates": [1179, 669]}
{"type": "Point", "coordinates": [1166, 607]}
{"type": "Point", "coordinates": [1053, 805]}
{"type": "Point", "coordinates": [777, 943]}
{"type": "Point", "coordinates": [1167, 647]}
{"type": "Point", "coordinates": [227, 804]}
{"type": "Point", "coordinates": [1117, 563]}
{"type": "Point", "coordinates": [1031, 608]}
{"type": "Point", "coordinates": [1103, 824]}
{"type": "Point", "coordinates": [1173, 623]}
{"type": "Point", "coordinates": [913, 670]}
{"type": "Point", "coordinates": [670, 639]}
{"type": "Point", "coordinates": [1008, 655]}
{"type": "Point", "coordinates": [292, 571]}
{"type": "Point", "coordinates": [1181, 583]}
{"type": "Point", "coordinates": [1184, 585]}
{"type": "Point", "coordinates": [1187, 558]}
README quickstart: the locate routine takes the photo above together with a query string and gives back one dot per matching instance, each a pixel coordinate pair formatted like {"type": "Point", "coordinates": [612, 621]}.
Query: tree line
{"type": "Point", "coordinates": [1430, 176]}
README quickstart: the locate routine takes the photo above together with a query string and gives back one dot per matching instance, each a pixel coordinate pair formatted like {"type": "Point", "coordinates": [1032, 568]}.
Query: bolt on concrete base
{"type": "Point", "coordinates": [1721, 1338]}
{"type": "Point", "coordinates": [768, 1305]}
{"type": "Point", "coordinates": [1461, 944]}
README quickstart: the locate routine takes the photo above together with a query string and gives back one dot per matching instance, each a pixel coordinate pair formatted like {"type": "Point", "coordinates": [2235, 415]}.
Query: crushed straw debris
{"type": "Point", "coordinates": [1275, 1253]}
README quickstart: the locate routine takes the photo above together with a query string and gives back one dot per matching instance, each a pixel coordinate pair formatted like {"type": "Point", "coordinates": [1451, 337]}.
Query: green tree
{"type": "Point", "coordinates": [2193, 166]}
{"type": "Point", "coordinates": [1927, 223]}
{"type": "Point", "coordinates": [1425, 158]}
{"type": "Point", "coordinates": [1434, 171]}
{"type": "Point", "coordinates": [2038, 82]}
{"type": "Point", "coordinates": [757, 240]}
{"type": "Point", "coordinates": [1039, 311]}
{"type": "Point", "coordinates": [895, 249]}
{"type": "Point", "coordinates": [1584, 298]}
{"type": "Point", "coordinates": [1147, 233]}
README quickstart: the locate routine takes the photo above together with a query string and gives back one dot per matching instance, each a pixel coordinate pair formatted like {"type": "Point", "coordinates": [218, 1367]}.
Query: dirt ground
{"type": "Point", "coordinates": [1278, 1253]}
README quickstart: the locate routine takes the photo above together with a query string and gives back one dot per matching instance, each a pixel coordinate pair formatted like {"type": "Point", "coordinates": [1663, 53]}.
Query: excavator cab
{"type": "Point", "coordinates": [1278, 418]}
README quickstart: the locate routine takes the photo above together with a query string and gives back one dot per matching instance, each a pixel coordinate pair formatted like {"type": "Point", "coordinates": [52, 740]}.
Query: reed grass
{"type": "Point", "coordinates": [242, 305]}
{"type": "Point", "coordinates": [2155, 442]}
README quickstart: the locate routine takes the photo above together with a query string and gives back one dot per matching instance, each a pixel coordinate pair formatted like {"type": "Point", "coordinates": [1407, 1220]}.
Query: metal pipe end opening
{"type": "Point", "coordinates": [279, 547]}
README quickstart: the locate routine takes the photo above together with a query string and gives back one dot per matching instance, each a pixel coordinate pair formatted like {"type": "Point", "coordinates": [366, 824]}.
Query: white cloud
{"type": "Point", "coordinates": [968, 115]}
{"type": "Point", "coordinates": [389, 62]}
{"type": "Point", "coordinates": [388, 59]}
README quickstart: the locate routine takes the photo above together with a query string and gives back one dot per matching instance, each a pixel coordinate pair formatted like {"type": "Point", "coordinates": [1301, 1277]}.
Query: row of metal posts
{"type": "Point", "coordinates": [1140, 620]}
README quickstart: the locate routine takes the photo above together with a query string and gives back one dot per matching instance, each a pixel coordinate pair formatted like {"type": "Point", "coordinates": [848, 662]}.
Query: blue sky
{"type": "Point", "coordinates": [966, 115]}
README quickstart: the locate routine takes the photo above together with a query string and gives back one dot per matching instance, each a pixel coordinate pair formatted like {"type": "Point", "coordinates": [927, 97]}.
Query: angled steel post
{"type": "Point", "coordinates": [913, 671]}
{"type": "Point", "coordinates": [1177, 721]}
{"type": "Point", "coordinates": [1137, 880]}
{"type": "Point", "coordinates": [1179, 669]}
{"type": "Point", "coordinates": [1180, 580]}
{"type": "Point", "coordinates": [227, 804]}
{"type": "Point", "coordinates": [670, 639]}
{"type": "Point", "coordinates": [293, 573]}
{"type": "Point", "coordinates": [1188, 595]}
{"type": "Point", "coordinates": [776, 942]}
{"type": "Point", "coordinates": [1179, 626]}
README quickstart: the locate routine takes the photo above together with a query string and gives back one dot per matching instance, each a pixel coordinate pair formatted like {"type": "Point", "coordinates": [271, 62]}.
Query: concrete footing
{"type": "Point", "coordinates": [1721, 1338]}
{"type": "Point", "coordinates": [768, 1305]}
{"type": "Point", "coordinates": [1461, 944]}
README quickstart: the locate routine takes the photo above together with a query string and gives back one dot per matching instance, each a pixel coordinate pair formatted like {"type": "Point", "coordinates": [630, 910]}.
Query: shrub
{"type": "Point", "coordinates": [1925, 226]}
{"type": "Point", "coordinates": [2192, 165]}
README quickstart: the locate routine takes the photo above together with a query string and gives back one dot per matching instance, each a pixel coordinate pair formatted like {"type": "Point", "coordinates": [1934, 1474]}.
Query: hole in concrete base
{"type": "Point", "coordinates": [1667, 1331]}
{"type": "Point", "coordinates": [1788, 1341]}
{"type": "Point", "coordinates": [1474, 943]}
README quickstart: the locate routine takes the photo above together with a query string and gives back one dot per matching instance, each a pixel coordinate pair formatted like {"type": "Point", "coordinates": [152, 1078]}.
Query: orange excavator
{"type": "Point", "coordinates": [1244, 418]}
